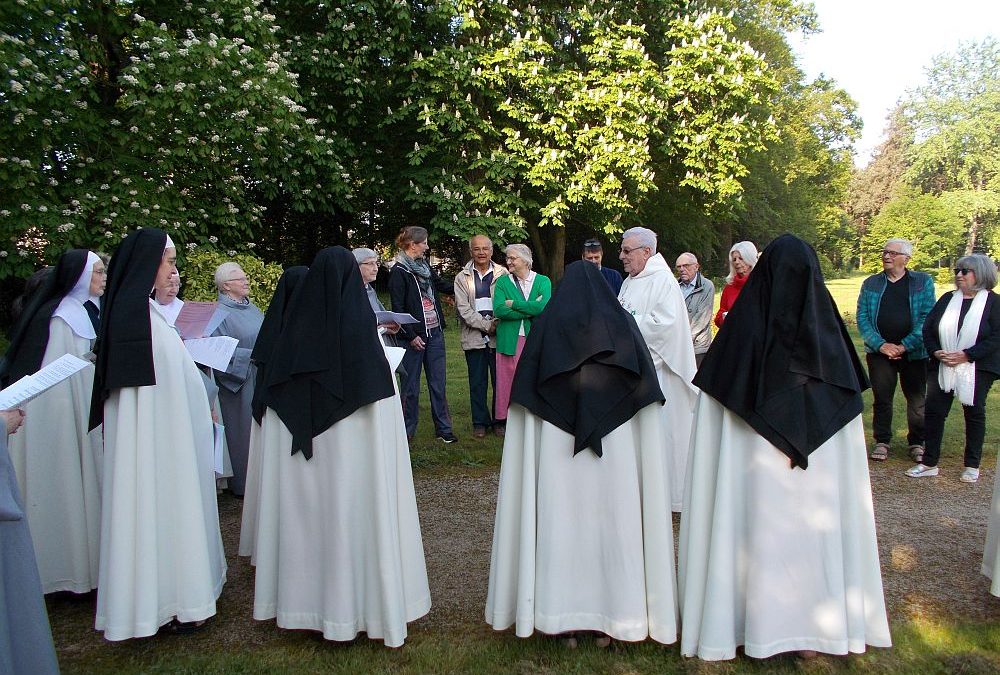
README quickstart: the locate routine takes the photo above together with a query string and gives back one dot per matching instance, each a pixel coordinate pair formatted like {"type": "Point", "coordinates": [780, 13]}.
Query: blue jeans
{"type": "Point", "coordinates": [432, 358]}
{"type": "Point", "coordinates": [482, 364]}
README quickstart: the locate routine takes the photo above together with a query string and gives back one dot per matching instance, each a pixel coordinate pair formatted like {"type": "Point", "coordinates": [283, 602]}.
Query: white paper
{"type": "Point", "coordinates": [30, 386]}
{"type": "Point", "coordinates": [215, 352]}
{"type": "Point", "coordinates": [399, 317]}
{"type": "Point", "coordinates": [219, 435]}
{"type": "Point", "coordinates": [394, 355]}
{"type": "Point", "coordinates": [194, 319]}
{"type": "Point", "coordinates": [484, 305]}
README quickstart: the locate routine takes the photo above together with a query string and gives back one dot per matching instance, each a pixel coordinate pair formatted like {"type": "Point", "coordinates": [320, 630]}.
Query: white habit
{"type": "Point", "coordinates": [338, 546]}
{"type": "Point", "coordinates": [991, 554]}
{"type": "Point", "coordinates": [251, 497]}
{"type": "Point", "coordinates": [58, 466]}
{"type": "Point", "coordinates": [584, 542]}
{"type": "Point", "coordinates": [773, 558]}
{"type": "Point", "coordinates": [161, 550]}
{"type": "Point", "coordinates": [654, 299]}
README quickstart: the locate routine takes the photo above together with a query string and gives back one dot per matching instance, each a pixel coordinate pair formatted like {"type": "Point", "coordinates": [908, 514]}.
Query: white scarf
{"type": "Point", "coordinates": [71, 309]}
{"type": "Point", "coordinates": [960, 379]}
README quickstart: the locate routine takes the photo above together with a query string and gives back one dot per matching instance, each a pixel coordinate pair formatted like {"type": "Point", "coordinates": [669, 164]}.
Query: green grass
{"type": "Point", "coordinates": [918, 648]}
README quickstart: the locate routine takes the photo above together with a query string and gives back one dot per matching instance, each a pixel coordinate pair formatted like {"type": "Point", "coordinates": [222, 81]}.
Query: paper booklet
{"type": "Point", "coordinates": [399, 317]}
{"type": "Point", "coordinates": [30, 386]}
{"type": "Point", "coordinates": [215, 352]}
{"type": "Point", "coordinates": [198, 319]}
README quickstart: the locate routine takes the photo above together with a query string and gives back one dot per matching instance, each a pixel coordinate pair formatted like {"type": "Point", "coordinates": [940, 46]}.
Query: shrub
{"type": "Point", "coordinates": [198, 276]}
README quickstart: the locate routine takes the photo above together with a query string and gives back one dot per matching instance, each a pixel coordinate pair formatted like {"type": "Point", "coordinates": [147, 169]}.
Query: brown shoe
{"type": "Point", "coordinates": [479, 432]}
{"type": "Point", "coordinates": [500, 430]}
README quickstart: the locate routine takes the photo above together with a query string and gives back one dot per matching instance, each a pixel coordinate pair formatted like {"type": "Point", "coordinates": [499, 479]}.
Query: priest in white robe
{"type": "Point", "coordinates": [652, 296]}
{"type": "Point", "coordinates": [58, 462]}
{"type": "Point", "coordinates": [162, 561]}
{"type": "Point", "coordinates": [583, 539]}
{"type": "Point", "coordinates": [777, 547]}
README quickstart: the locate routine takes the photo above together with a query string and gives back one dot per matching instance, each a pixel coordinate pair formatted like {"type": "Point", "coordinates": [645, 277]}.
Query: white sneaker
{"type": "Point", "coordinates": [970, 475]}
{"type": "Point", "coordinates": [922, 471]}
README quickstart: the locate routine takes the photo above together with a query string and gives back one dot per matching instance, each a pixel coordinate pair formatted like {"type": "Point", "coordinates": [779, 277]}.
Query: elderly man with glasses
{"type": "Point", "coordinates": [699, 297]}
{"type": "Point", "coordinates": [892, 308]}
{"type": "Point", "coordinates": [652, 296]}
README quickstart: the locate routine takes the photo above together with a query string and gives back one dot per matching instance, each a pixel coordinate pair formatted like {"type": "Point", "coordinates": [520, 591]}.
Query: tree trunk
{"type": "Point", "coordinates": [557, 262]}
{"type": "Point", "coordinates": [970, 244]}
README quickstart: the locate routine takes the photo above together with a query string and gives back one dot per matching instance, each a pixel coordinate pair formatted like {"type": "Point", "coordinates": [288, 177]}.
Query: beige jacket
{"type": "Point", "coordinates": [473, 323]}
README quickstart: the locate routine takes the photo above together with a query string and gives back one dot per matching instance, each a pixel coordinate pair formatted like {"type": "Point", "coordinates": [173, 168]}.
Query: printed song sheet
{"type": "Point", "coordinates": [30, 386]}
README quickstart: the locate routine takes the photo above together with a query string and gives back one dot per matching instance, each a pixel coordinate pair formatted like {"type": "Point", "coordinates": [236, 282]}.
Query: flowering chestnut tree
{"type": "Point", "coordinates": [171, 114]}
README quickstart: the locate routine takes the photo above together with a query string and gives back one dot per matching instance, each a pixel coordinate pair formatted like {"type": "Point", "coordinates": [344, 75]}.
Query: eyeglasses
{"type": "Point", "coordinates": [962, 270]}
{"type": "Point", "coordinates": [370, 262]}
{"type": "Point", "coordinates": [592, 243]}
{"type": "Point", "coordinates": [236, 279]}
{"type": "Point", "coordinates": [892, 254]}
{"type": "Point", "coordinates": [685, 265]}
{"type": "Point", "coordinates": [628, 251]}
{"type": "Point", "coordinates": [103, 272]}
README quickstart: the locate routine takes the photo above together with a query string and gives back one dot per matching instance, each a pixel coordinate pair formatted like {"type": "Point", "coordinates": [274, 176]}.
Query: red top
{"type": "Point", "coordinates": [730, 292]}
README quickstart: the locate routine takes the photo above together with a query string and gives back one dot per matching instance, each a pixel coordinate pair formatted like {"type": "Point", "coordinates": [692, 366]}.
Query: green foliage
{"type": "Point", "coordinates": [929, 222]}
{"type": "Point", "coordinates": [956, 118]}
{"type": "Point", "coordinates": [198, 276]}
{"type": "Point", "coordinates": [127, 114]}
{"type": "Point", "coordinates": [293, 126]}
{"type": "Point", "coordinates": [539, 115]}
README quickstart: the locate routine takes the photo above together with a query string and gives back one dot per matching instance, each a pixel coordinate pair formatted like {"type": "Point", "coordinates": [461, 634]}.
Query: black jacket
{"type": "Point", "coordinates": [986, 352]}
{"type": "Point", "coordinates": [404, 296]}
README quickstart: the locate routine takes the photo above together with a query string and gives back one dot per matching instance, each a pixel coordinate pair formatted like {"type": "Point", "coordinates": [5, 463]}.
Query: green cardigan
{"type": "Point", "coordinates": [510, 318]}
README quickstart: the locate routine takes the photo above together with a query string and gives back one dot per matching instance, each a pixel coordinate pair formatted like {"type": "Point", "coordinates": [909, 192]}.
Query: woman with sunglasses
{"type": "Point", "coordinates": [962, 336]}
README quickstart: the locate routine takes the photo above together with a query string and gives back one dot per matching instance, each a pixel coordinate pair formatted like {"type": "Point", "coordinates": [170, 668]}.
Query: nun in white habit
{"type": "Point", "coordinates": [162, 560]}
{"type": "Point", "coordinates": [338, 546]}
{"type": "Point", "coordinates": [263, 350]}
{"type": "Point", "coordinates": [583, 539]}
{"type": "Point", "coordinates": [57, 461]}
{"type": "Point", "coordinates": [777, 546]}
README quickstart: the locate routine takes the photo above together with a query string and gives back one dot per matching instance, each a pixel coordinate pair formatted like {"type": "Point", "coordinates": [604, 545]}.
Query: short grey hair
{"type": "Point", "coordinates": [644, 235]}
{"type": "Point", "coordinates": [983, 267]}
{"type": "Point", "coordinates": [362, 254]}
{"type": "Point", "coordinates": [747, 251]}
{"type": "Point", "coordinates": [480, 235]}
{"type": "Point", "coordinates": [905, 246]}
{"type": "Point", "coordinates": [521, 251]}
{"type": "Point", "coordinates": [223, 271]}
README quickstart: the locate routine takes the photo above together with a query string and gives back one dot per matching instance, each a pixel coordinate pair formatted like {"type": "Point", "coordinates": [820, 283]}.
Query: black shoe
{"type": "Point", "coordinates": [448, 438]}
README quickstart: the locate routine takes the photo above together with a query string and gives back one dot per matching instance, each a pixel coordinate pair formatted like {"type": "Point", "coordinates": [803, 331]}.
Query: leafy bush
{"type": "Point", "coordinates": [944, 278]}
{"type": "Point", "coordinates": [198, 276]}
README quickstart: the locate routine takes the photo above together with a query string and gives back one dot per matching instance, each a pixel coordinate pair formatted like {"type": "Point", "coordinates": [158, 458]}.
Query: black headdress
{"type": "Point", "coordinates": [328, 360]}
{"type": "Point", "coordinates": [30, 336]}
{"type": "Point", "coordinates": [783, 360]}
{"type": "Point", "coordinates": [270, 329]}
{"type": "Point", "coordinates": [124, 344]}
{"type": "Point", "coordinates": [585, 367]}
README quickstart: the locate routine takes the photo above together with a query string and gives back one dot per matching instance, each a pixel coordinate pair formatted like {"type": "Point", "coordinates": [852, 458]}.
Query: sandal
{"type": "Point", "coordinates": [917, 453]}
{"type": "Point", "coordinates": [880, 452]}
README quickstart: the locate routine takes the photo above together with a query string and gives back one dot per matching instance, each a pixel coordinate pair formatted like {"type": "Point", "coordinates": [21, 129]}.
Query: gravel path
{"type": "Point", "coordinates": [931, 534]}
